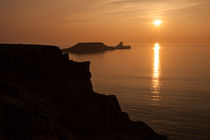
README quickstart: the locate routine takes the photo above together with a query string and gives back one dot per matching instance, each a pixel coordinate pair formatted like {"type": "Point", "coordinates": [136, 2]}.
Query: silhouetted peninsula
{"type": "Point", "coordinates": [46, 96]}
{"type": "Point", "coordinates": [93, 47]}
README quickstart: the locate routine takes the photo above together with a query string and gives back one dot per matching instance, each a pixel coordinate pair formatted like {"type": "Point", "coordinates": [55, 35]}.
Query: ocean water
{"type": "Point", "coordinates": [168, 87]}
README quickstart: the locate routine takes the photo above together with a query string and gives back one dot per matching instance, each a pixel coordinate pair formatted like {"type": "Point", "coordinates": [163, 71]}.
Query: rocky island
{"type": "Point", "coordinates": [93, 47]}
{"type": "Point", "coordinates": [46, 96]}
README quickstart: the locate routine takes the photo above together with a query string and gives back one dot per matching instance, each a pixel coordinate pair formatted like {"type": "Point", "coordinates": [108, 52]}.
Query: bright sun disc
{"type": "Point", "coordinates": [157, 22]}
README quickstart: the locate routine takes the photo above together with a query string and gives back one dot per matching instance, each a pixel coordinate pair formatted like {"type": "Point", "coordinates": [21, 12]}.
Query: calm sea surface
{"type": "Point", "coordinates": [168, 88]}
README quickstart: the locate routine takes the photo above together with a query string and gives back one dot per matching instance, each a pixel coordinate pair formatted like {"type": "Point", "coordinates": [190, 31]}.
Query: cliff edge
{"type": "Point", "coordinates": [46, 96]}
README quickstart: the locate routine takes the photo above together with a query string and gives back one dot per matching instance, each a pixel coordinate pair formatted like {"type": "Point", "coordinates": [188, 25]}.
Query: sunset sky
{"type": "Point", "coordinates": [63, 22]}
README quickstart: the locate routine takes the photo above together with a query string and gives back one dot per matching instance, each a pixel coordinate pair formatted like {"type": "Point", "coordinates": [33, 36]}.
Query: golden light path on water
{"type": "Point", "coordinates": [156, 73]}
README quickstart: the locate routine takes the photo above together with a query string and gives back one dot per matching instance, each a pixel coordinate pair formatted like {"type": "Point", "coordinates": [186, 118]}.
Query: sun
{"type": "Point", "coordinates": [157, 22]}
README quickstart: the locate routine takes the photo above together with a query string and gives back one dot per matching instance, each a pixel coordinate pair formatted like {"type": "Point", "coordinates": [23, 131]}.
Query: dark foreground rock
{"type": "Point", "coordinates": [44, 96]}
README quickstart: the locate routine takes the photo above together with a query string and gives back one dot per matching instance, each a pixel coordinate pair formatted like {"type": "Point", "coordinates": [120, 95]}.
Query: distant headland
{"type": "Point", "coordinates": [93, 47]}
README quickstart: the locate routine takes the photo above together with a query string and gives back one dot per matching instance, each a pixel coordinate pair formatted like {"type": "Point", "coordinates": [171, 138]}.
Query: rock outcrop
{"type": "Point", "coordinates": [121, 46]}
{"type": "Point", "coordinates": [92, 47]}
{"type": "Point", "coordinates": [46, 96]}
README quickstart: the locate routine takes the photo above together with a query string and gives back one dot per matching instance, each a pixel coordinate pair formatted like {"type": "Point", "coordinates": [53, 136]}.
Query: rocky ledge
{"type": "Point", "coordinates": [46, 96]}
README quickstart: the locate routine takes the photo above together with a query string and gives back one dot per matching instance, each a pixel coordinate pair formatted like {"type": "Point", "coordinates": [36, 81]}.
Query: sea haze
{"type": "Point", "coordinates": [168, 88]}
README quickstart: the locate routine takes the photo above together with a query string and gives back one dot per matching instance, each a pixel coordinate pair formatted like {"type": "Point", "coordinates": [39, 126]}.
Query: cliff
{"type": "Point", "coordinates": [92, 47]}
{"type": "Point", "coordinates": [46, 96]}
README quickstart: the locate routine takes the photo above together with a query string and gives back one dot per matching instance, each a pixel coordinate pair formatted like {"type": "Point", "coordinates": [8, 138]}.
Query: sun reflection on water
{"type": "Point", "coordinates": [156, 73]}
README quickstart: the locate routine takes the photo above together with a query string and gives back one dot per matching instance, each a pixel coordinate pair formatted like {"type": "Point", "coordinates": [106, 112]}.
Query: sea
{"type": "Point", "coordinates": [165, 86]}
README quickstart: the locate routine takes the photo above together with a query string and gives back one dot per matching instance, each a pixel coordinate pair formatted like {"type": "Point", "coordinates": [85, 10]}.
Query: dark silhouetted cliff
{"type": "Point", "coordinates": [46, 96]}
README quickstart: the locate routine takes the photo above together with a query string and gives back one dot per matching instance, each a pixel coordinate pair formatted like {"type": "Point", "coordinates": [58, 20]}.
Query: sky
{"type": "Point", "coordinates": [66, 22]}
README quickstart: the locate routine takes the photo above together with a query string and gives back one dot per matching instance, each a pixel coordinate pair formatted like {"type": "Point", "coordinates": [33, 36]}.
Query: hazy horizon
{"type": "Point", "coordinates": [67, 22]}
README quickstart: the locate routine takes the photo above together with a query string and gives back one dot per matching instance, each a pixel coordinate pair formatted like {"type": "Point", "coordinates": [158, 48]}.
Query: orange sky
{"type": "Point", "coordinates": [66, 22]}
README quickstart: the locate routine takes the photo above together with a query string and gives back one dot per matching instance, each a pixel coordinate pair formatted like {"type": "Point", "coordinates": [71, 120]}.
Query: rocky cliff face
{"type": "Point", "coordinates": [46, 96]}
